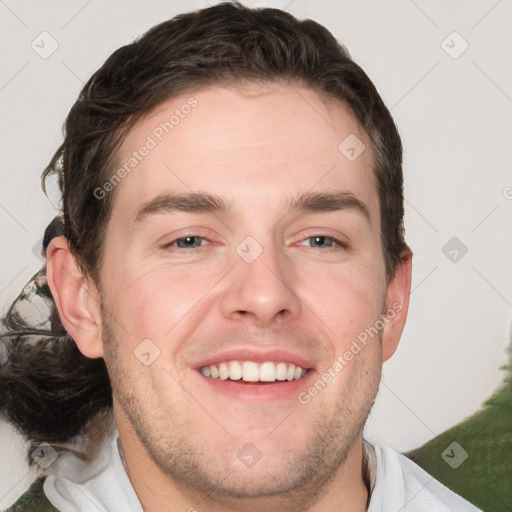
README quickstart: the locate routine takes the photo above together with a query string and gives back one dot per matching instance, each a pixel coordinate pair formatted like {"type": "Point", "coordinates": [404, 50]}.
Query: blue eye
{"type": "Point", "coordinates": [321, 241]}
{"type": "Point", "coordinates": [324, 243]}
{"type": "Point", "coordinates": [186, 242]}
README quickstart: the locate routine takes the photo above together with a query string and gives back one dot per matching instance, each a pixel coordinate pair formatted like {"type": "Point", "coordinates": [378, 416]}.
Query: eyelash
{"type": "Point", "coordinates": [341, 245]}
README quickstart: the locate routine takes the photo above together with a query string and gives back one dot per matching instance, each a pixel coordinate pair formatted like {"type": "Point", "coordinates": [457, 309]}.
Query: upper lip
{"type": "Point", "coordinates": [259, 356]}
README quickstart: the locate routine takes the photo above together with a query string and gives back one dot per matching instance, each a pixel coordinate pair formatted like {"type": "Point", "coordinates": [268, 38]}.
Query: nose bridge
{"type": "Point", "coordinates": [261, 286]}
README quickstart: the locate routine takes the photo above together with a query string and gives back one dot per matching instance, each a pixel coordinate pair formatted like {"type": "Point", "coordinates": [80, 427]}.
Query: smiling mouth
{"type": "Point", "coordinates": [251, 371]}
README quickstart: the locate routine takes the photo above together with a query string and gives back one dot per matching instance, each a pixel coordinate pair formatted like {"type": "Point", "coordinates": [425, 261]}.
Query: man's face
{"type": "Point", "coordinates": [258, 281]}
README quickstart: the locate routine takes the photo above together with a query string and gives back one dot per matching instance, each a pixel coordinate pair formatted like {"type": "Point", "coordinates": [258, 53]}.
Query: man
{"type": "Point", "coordinates": [233, 250]}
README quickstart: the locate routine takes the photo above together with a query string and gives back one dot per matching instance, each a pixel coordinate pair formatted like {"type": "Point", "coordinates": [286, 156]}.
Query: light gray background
{"type": "Point", "coordinates": [454, 115]}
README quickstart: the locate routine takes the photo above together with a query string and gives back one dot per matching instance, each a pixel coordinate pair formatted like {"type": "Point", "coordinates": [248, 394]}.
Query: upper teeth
{"type": "Point", "coordinates": [251, 371]}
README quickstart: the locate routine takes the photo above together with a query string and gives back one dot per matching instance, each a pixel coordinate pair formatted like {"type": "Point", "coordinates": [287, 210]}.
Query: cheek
{"type": "Point", "coordinates": [153, 305]}
{"type": "Point", "coordinates": [158, 303]}
{"type": "Point", "coordinates": [347, 301]}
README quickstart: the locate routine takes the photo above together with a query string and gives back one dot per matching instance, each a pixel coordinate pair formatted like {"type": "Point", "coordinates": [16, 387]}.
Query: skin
{"type": "Point", "coordinates": [256, 146]}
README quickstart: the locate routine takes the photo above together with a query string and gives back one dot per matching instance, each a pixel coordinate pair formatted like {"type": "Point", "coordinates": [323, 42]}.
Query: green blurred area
{"type": "Point", "coordinates": [485, 477]}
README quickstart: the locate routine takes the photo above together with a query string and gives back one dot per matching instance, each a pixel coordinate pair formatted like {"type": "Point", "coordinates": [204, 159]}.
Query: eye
{"type": "Point", "coordinates": [186, 242]}
{"type": "Point", "coordinates": [322, 241]}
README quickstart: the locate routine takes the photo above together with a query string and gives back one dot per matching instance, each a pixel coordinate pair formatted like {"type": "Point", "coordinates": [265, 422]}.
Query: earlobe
{"type": "Point", "coordinates": [397, 305]}
{"type": "Point", "coordinates": [77, 299]}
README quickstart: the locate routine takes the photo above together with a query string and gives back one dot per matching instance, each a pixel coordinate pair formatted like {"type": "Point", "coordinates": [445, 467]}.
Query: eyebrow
{"type": "Point", "coordinates": [204, 202]}
{"type": "Point", "coordinates": [188, 202]}
{"type": "Point", "coordinates": [329, 202]}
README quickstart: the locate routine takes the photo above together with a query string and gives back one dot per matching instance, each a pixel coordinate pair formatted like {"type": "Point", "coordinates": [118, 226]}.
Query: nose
{"type": "Point", "coordinates": [262, 291]}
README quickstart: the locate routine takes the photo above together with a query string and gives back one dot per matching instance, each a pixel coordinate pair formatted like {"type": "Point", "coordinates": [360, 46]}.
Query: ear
{"type": "Point", "coordinates": [77, 299]}
{"type": "Point", "coordinates": [397, 305]}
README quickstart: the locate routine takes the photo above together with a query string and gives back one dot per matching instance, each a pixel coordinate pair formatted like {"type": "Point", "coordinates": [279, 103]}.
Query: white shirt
{"type": "Point", "coordinates": [398, 485]}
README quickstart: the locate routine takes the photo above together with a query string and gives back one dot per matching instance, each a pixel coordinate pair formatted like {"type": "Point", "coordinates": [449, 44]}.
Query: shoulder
{"type": "Point", "coordinates": [402, 482]}
{"type": "Point", "coordinates": [34, 500]}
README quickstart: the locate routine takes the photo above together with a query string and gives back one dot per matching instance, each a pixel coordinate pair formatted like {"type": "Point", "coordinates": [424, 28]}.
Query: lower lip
{"type": "Point", "coordinates": [259, 392]}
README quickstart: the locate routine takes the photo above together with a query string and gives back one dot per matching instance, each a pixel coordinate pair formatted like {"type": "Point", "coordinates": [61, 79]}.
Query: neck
{"type": "Point", "coordinates": [347, 491]}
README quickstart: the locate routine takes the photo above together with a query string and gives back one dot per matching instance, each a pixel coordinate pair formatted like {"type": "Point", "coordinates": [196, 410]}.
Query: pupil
{"type": "Point", "coordinates": [188, 241]}
{"type": "Point", "coordinates": [320, 240]}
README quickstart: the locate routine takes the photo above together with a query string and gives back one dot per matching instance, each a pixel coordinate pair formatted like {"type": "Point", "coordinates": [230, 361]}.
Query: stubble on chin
{"type": "Point", "coordinates": [298, 476]}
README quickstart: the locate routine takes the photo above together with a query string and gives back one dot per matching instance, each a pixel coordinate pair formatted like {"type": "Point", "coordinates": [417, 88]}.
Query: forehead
{"type": "Point", "coordinates": [266, 141]}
